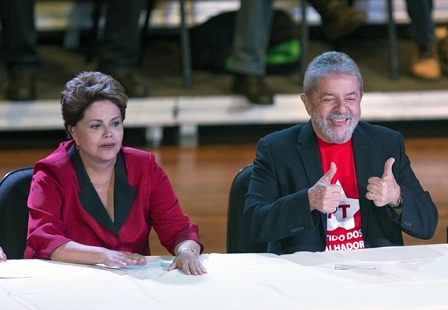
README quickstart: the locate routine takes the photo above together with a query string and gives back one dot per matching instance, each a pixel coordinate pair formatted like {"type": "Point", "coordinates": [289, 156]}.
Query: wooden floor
{"type": "Point", "coordinates": [202, 177]}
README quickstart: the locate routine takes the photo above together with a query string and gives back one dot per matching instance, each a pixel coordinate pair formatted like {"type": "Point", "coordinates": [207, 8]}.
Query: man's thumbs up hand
{"type": "Point", "coordinates": [324, 196]}
{"type": "Point", "coordinates": [384, 190]}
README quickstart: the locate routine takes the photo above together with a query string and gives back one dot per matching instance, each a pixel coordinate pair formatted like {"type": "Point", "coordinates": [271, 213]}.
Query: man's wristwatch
{"type": "Point", "coordinates": [399, 205]}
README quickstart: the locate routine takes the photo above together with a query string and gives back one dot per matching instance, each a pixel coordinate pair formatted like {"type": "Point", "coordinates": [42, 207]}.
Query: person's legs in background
{"type": "Point", "coordinates": [120, 47]}
{"type": "Point", "coordinates": [19, 50]}
{"type": "Point", "coordinates": [425, 61]}
{"type": "Point", "coordinates": [338, 19]}
{"type": "Point", "coordinates": [252, 27]}
{"type": "Point", "coordinates": [251, 37]}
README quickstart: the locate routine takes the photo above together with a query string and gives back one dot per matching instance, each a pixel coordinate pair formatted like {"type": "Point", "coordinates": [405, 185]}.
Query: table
{"type": "Point", "coordinates": [410, 277]}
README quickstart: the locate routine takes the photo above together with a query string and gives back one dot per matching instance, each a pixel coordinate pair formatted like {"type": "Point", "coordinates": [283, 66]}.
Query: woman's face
{"type": "Point", "coordinates": [99, 134]}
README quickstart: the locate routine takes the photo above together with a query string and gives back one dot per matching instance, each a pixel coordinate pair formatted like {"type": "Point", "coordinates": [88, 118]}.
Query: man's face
{"type": "Point", "coordinates": [335, 108]}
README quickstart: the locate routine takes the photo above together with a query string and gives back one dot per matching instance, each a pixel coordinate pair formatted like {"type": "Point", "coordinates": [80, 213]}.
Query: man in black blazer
{"type": "Point", "coordinates": [334, 183]}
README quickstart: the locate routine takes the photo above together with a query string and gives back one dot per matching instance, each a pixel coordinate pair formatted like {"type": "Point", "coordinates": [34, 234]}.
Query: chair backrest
{"type": "Point", "coordinates": [14, 190]}
{"type": "Point", "coordinates": [236, 242]}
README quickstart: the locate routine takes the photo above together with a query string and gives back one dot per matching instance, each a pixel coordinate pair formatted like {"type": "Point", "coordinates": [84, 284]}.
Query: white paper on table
{"type": "Point", "coordinates": [152, 261]}
{"type": "Point", "coordinates": [358, 266]}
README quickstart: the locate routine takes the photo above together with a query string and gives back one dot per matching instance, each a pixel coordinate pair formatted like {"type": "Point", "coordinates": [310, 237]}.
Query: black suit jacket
{"type": "Point", "coordinates": [288, 163]}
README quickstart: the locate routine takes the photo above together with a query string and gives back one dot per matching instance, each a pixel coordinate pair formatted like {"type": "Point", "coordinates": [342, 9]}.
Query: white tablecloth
{"type": "Point", "coordinates": [412, 277]}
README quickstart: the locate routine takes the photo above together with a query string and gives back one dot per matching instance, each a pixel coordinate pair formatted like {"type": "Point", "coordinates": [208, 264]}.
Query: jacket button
{"type": "Point", "coordinates": [407, 224]}
{"type": "Point", "coordinates": [296, 229]}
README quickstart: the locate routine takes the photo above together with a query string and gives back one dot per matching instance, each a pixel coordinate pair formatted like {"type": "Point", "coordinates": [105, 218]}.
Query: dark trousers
{"type": "Point", "coordinates": [422, 26]}
{"type": "Point", "coordinates": [120, 47]}
{"type": "Point", "coordinates": [253, 25]}
{"type": "Point", "coordinates": [18, 36]}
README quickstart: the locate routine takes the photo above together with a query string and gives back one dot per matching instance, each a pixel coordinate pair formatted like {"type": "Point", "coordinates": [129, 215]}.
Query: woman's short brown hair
{"type": "Point", "coordinates": [85, 89]}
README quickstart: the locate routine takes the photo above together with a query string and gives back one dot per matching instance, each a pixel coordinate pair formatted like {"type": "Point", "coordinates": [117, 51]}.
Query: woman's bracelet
{"type": "Point", "coordinates": [189, 249]}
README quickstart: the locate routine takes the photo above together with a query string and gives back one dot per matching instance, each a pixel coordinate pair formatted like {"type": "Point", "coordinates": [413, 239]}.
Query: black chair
{"type": "Point", "coordinates": [236, 243]}
{"type": "Point", "coordinates": [14, 190]}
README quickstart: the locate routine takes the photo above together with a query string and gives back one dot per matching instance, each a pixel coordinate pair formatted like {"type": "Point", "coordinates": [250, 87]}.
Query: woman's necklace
{"type": "Point", "coordinates": [105, 182]}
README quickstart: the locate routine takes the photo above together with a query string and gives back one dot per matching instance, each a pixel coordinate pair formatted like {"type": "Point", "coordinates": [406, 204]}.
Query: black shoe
{"type": "Point", "coordinates": [254, 88]}
{"type": "Point", "coordinates": [341, 20]}
{"type": "Point", "coordinates": [132, 87]}
{"type": "Point", "coordinates": [21, 87]}
{"type": "Point", "coordinates": [443, 54]}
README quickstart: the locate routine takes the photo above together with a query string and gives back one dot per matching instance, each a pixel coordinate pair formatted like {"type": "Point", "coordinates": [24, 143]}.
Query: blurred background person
{"type": "Point", "coordinates": [118, 55]}
{"type": "Point", "coordinates": [19, 51]}
{"type": "Point", "coordinates": [251, 36]}
{"type": "Point", "coordinates": [252, 31]}
{"type": "Point", "coordinates": [425, 62]}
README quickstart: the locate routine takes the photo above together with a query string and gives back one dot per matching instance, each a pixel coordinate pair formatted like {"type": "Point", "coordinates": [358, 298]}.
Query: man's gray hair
{"type": "Point", "coordinates": [326, 63]}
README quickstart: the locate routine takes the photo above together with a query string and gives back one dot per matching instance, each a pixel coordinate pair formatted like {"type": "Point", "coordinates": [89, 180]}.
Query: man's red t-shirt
{"type": "Point", "coordinates": [344, 225]}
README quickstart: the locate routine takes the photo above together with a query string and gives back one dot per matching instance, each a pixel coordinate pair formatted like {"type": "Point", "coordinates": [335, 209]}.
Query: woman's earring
{"type": "Point", "coordinates": [77, 147]}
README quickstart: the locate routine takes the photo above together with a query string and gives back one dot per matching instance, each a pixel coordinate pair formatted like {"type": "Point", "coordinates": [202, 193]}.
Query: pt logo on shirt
{"type": "Point", "coordinates": [344, 215]}
{"type": "Point", "coordinates": [344, 225]}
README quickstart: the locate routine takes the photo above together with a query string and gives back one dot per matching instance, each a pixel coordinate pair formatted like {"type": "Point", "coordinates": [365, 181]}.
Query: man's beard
{"type": "Point", "coordinates": [334, 134]}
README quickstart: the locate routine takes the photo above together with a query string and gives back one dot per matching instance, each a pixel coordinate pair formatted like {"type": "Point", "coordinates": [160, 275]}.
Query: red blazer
{"type": "Point", "coordinates": [64, 205]}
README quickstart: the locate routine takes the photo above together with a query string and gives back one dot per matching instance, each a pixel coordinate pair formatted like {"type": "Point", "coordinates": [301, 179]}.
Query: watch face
{"type": "Point", "coordinates": [396, 207]}
{"type": "Point", "coordinates": [399, 205]}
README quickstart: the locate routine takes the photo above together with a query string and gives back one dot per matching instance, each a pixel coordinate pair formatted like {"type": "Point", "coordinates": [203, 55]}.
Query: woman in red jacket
{"type": "Point", "coordinates": [93, 201]}
{"type": "Point", "coordinates": [2, 255]}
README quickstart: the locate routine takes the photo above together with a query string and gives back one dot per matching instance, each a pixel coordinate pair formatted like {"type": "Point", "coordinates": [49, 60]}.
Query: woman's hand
{"type": "Point", "coordinates": [77, 253]}
{"type": "Point", "coordinates": [122, 259]}
{"type": "Point", "coordinates": [2, 255]}
{"type": "Point", "coordinates": [188, 262]}
{"type": "Point", "coordinates": [187, 259]}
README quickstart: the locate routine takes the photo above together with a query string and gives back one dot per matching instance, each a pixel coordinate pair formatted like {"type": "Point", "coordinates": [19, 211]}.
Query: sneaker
{"type": "Point", "coordinates": [425, 62]}
{"type": "Point", "coordinates": [341, 20]}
